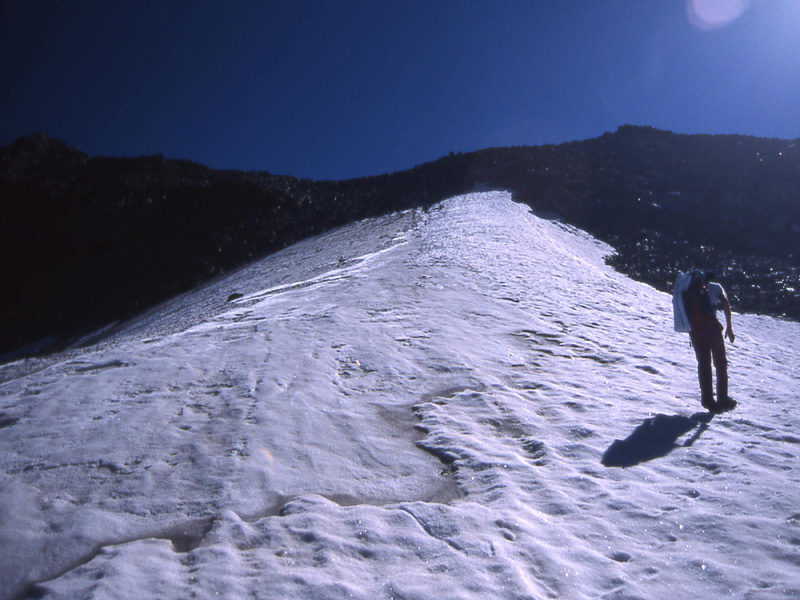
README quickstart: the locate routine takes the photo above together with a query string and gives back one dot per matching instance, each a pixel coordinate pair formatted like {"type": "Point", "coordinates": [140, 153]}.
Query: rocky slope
{"type": "Point", "coordinates": [88, 241]}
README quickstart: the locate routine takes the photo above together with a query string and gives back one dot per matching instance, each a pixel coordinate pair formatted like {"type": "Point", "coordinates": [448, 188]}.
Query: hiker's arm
{"type": "Point", "coordinates": [726, 307]}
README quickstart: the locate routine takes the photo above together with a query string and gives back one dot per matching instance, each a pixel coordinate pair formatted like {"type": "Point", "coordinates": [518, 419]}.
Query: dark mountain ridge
{"type": "Point", "coordinates": [90, 241]}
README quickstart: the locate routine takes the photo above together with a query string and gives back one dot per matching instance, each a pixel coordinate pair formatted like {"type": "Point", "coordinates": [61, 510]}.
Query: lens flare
{"type": "Point", "coordinates": [707, 15]}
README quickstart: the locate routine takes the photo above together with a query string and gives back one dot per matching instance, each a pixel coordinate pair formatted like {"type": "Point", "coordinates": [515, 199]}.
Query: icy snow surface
{"type": "Point", "coordinates": [463, 402]}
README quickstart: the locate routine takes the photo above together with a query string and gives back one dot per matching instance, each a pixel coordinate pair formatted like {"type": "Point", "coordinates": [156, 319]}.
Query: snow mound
{"type": "Point", "coordinates": [464, 402]}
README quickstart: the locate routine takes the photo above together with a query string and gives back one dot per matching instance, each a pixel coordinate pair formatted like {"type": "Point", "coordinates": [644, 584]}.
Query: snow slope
{"type": "Point", "coordinates": [456, 403]}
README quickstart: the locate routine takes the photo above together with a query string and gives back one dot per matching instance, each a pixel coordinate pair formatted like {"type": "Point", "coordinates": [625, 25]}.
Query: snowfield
{"type": "Point", "coordinates": [458, 403]}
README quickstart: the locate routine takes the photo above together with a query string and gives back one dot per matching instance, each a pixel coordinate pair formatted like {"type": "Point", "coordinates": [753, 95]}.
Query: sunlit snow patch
{"type": "Point", "coordinates": [409, 406]}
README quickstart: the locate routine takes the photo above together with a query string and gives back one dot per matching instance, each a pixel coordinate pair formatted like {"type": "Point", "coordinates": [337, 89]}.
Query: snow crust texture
{"type": "Point", "coordinates": [458, 403]}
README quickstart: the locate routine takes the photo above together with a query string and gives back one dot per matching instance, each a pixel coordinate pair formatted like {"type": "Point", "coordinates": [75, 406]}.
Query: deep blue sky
{"type": "Point", "coordinates": [338, 89]}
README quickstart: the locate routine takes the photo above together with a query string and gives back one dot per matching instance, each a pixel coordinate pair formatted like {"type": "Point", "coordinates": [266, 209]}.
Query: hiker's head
{"type": "Point", "coordinates": [698, 278]}
{"type": "Point", "coordinates": [710, 276]}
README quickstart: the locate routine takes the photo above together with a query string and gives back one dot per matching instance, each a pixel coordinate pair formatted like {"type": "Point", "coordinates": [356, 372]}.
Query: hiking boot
{"type": "Point", "coordinates": [727, 403]}
{"type": "Point", "coordinates": [708, 404]}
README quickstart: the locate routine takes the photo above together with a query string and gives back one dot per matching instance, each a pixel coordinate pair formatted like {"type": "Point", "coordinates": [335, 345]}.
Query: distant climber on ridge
{"type": "Point", "coordinates": [695, 300]}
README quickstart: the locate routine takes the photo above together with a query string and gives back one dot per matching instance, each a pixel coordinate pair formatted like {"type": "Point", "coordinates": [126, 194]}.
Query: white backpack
{"type": "Point", "coordinates": [680, 318]}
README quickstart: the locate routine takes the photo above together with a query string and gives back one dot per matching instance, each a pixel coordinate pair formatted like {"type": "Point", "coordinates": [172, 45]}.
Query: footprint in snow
{"type": "Point", "coordinates": [535, 450]}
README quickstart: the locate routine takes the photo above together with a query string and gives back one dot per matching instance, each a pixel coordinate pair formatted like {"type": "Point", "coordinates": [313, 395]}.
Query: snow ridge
{"type": "Point", "coordinates": [433, 403]}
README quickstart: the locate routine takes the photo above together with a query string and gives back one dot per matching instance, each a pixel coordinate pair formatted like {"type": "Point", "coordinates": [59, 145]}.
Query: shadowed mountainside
{"type": "Point", "coordinates": [89, 241]}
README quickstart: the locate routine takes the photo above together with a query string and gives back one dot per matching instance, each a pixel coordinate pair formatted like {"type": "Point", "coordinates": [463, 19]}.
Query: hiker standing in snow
{"type": "Point", "coordinates": [700, 300]}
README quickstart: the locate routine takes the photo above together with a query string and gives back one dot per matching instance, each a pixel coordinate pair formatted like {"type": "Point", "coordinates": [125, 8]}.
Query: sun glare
{"type": "Point", "coordinates": [707, 15]}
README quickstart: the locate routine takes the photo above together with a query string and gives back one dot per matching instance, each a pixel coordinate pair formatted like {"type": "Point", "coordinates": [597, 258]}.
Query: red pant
{"type": "Point", "coordinates": [708, 343]}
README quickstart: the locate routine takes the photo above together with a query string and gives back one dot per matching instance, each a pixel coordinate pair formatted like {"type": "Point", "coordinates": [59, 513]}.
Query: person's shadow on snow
{"type": "Point", "coordinates": [656, 437]}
